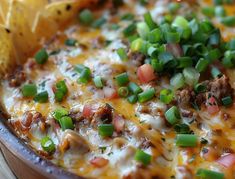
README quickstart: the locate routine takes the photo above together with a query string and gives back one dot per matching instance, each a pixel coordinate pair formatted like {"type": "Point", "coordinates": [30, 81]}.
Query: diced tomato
{"type": "Point", "coordinates": [145, 73]}
{"type": "Point", "coordinates": [99, 162]}
{"type": "Point", "coordinates": [212, 106]}
{"type": "Point", "coordinates": [174, 49]}
{"type": "Point", "coordinates": [110, 93]}
{"type": "Point", "coordinates": [227, 160]}
{"type": "Point", "coordinates": [118, 123]}
{"type": "Point", "coordinates": [87, 111]}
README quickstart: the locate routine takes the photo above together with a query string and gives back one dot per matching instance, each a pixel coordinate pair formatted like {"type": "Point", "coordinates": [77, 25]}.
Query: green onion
{"type": "Point", "coordinates": [146, 95]}
{"type": "Point", "coordinates": [186, 140]}
{"type": "Point", "coordinates": [142, 157]}
{"type": "Point", "coordinates": [59, 96]}
{"type": "Point", "coordinates": [172, 115]}
{"type": "Point", "coordinates": [98, 82]}
{"type": "Point", "coordinates": [231, 44]}
{"type": "Point", "coordinates": [184, 62]}
{"type": "Point", "coordinates": [47, 144]}
{"type": "Point", "coordinates": [122, 54]}
{"type": "Point", "coordinates": [143, 2]}
{"type": "Point", "coordinates": [215, 72]}
{"type": "Point", "coordinates": [200, 48]}
{"type": "Point", "coordinates": [61, 90]}
{"type": "Point", "coordinates": [59, 113]}
{"type": "Point", "coordinates": [123, 92]}
{"type": "Point", "coordinates": [157, 65]}
{"type": "Point", "coordinates": [201, 65]}
{"type": "Point", "coordinates": [71, 42]}
{"type": "Point", "coordinates": [132, 99]}
{"type": "Point", "coordinates": [143, 30]}
{"type": "Point", "coordinates": [218, 2]}
{"type": "Point", "coordinates": [165, 57]}
{"type": "Point", "coordinates": [188, 50]}
{"type": "Point", "coordinates": [66, 123]}
{"type": "Point", "coordinates": [199, 88]}
{"type": "Point", "coordinates": [99, 22]}
{"type": "Point", "coordinates": [166, 96]}
{"type": "Point", "coordinates": [228, 21]}
{"type": "Point", "coordinates": [127, 16]}
{"type": "Point", "coordinates": [180, 22]}
{"type": "Point", "coordinates": [29, 90]}
{"type": "Point", "coordinates": [122, 79]}
{"type": "Point", "coordinates": [155, 36]}
{"type": "Point", "coordinates": [136, 45]}
{"type": "Point", "coordinates": [114, 26]}
{"type": "Point", "coordinates": [209, 174]}
{"type": "Point", "coordinates": [79, 68]}
{"type": "Point", "coordinates": [191, 75]}
{"type": "Point", "coordinates": [134, 88]}
{"type": "Point", "coordinates": [106, 130]}
{"type": "Point", "coordinates": [174, 7]}
{"type": "Point", "coordinates": [220, 11]}
{"type": "Point", "coordinates": [213, 55]}
{"type": "Point", "coordinates": [41, 56]}
{"type": "Point", "coordinates": [208, 11]}
{"type": "Point", "coordinates": [129, 30]}
{"type": "Point", "coordinates": [182, 129]}
{"type": "Point", "coordinates": [149, 21]}
{"type": "Point", "coordinates": [172, 37]}
{"type": "Point", "coordinates": [229, 59]}
{"type": "Point", "coordinates": [86, 17]}
{"type": "Point", "coordinates": [227, 101]}
{"type": "Point", "coordinates": [215, 38]}
{"type": "Point", "coordinates": [41, 97]}
{"type": "Point", "coordinates": [85, 76]}
{"type": "Point", "coordinates": [206, 26]}
{"type": "Point", "coordinates": [177, 81]}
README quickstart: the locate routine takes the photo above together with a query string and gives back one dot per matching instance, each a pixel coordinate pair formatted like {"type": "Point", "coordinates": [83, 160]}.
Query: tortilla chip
{"type": "Point", "coordinates": [7, 53]}
{"type": "Point", "coordinates": [57, 15]}
{"type": "Point", "coordinates": [23, 39]}
{"type": "Point", "coordinates": [4, 8]}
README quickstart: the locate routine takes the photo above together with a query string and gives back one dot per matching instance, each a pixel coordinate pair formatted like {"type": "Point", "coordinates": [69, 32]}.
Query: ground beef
{"type": "Point", "coordinates": [104, 114]}
{"type": "Point", "coordinates": [17, 78]}
{"type": "Point", "coordinates": [136, 58]}
{"type": "Point", "coordinates": [185, 96]}
{"type": "Point", "coordinates": [220, 88]}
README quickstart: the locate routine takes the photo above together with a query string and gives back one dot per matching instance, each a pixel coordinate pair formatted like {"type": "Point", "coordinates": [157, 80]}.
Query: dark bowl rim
{"type": "Point", "coordinates": [19, 149]}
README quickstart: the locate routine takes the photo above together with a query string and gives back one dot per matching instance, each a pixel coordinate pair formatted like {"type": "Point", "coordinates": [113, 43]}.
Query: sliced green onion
{"type": "Point", "coordinates": [155, 36]}
{"type": "Point", "coordinates": [191, 75]}
{"type": "Point", "coordinates": [227, 101]}
{"type": "Point", "coordinates": [184, 62]}
{"type": "Point", "coordinates": [186, 140]}
{"type": "Point", "coordinates": [134, 88]}
{"type": "Point", "coordinates": [229, 59]}
{"type": "Point", "coordinates": [143, 30]}
{"type": "Point", "coordinates": [200, 88]}
{"type": "Point", "coordinates": [174, 7]}
{"type": "Point", "coordinates": [136, 45]}
{"type": "Point", "coordinates": [231, 44]}
{"type": "Point", "coordinates": [142, 157]}
{"type": "Point", "coordinates": [127, 16]}
{"type": "Point", "coordinates": [177, 81]}
{"type": "Point", "coordinates": [188, 50]}
{"type": "Point", "coordinates": [165, 57]}
{"type": "Point", "coordinates": [180, 22]}
{"type": "Point", "coordinates": [59, 96]}
{"type": "Point", "coordinates": [149, 21]}
{"type": "Point", "coordinates": [129, 30]}
{"type": "Point", "coordinates": [59, 113]}
{"type": "Point", "coordinates": [201, 65]}
{"type": "Point", "coordinates": [47, 144]}
{"type": "Point", "coordinates": [61, 90]}
{"type": "Point", "coordinates": [157, 65]}
{"type": "Point", "coordinates": [215, 38]}
{"type": "Point", "coordinates": [85, 76]}
{"type": "Point", "coordinates": [86, 17]}
{"type": "Point", "coordinates": [209, 174]}
{"type": "Point", "coordinates": [172, 37]}
{"type": "Point", "coordinates": [166, 96]}
{"type": "Point", "coordinates": [122, 79]}
{"type": "Point", "coordinates": [208, 11]}
{"type": "Point", "coordinates": [71, 42]}
{"type": "Point", "coordinates": [29, 90]}
{"type": "Point", "coordinates": [66, 123]}
{"type": "Point", "coordinates": [132, 99]}
{"type": "Point", "coordinates": [79, 68]}
{"type": "Point", "coordinates": [123, 92]}
{"type": "Point", "coordinates": [41, 97]}
{"type": "Point", "coordinates": [215, 72]}
{"type": "Point", "coordinates": [206, 26]}
{"type": "Point", "coordinates": [220, 11]}
{"type": "Point", "coordinates": [228, 21]}
{"type": "Point", "coordinates": [106, 130]}
{"type": "Point", "coordinates": [98, 82]}
{"type": "Point", "coordinates": [172, 115]}
{"type": "Point", "coordinates": [182, 129]}
{"type": "Point", "coordinates": [99, 22]}
{"type": "Point", "coordinates": [213, 55]}
{"type": "Point", "coordinates": [41, 56]}
{"type": "Point", "coordinates": [122, 54]}
{"type": "Point", "coordinates": [218, 2]}
{"type": "Point", "coordinates": [146, 95]}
